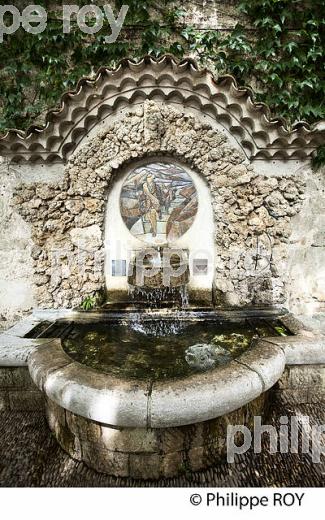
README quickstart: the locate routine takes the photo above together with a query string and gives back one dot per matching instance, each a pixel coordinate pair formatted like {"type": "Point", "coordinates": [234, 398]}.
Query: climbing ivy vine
{"type": "Point", "coordinates": [279, 52]}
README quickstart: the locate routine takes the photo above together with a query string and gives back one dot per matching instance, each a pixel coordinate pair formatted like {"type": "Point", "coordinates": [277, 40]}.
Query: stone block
{"type": "Point", "coordinates": [83, 428]}
{"type": "Point", "coordinates": [130, 440]}
{"type": "Point", "coordinates": [55, 414]}
{"type": "Point", "coordinates": [301, 395]}
{"type": "Point", "coordinates": [196, 458]}
{"type": "Point", "coordinates": [88, 238]}
{"type": "Point", "coordinates": [172, 464]}
{"type": "Point", "coordinates": [105, 461]}
{"type": "Point", "coordinates": [174, 439]}
{"type": "Point", "coordinates": [303, 376]}
{"type": "Point", "coordinates": [213, 433]}
{"type": "Point", "coordinates": [145, 466]}
{"type": "Point", "coordinates": [68, 442]}
{"type": "Point", "coordinates": [22, 379]}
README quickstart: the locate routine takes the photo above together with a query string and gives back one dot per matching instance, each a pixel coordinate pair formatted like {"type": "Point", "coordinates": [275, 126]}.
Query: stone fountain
{"type": "Point", "coordinates": [157, 179]}
{"type": "Point", "coordinates": [159, 276]}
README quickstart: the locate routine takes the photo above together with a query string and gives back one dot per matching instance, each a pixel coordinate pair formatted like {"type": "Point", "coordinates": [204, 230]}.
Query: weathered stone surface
{"type": "Point", "coordinates": [319, 239]}
{"type": "Point", "coordinates": [299, 376]}
{"type": "Point", "coordinates": [305, 266]}
{"type": "Point", "coordinates": [302, 395]}
{"type": "Point", "coordinates": [142, 453]}
{"type": "Point", "coordinates": [4, 401]}
{"type": "Point", "coordinates": [16, 378]}
{"type": "Point", "coordinates": [302, 384]}
{"type": "Point", "coordinates": [249, 209]}
{"type": "Point", "coordinates": [30, 456]}
{"type": "Point", "coordinates": [6, 379]}
{"type": "Point", "coordinates": [16, 265]}
{"type": "Point", "coordinates": [18, 392]}
{"type": "Point", "coordinates": [106, 461]}
{"type": "Point", "coordinates": [14, 351]}
{"type": "Point", "coordinates": [146, 466]}
{"type": "Point", "coordinates": [88, 239]}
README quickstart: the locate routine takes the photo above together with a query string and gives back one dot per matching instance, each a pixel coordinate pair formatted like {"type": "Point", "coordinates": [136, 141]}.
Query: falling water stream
{"type": "Point", "coordinates": [174, 297]}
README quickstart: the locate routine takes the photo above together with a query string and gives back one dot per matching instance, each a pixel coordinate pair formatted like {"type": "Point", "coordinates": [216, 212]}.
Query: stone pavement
{"type": "Point", "coordinates": [30, 457]}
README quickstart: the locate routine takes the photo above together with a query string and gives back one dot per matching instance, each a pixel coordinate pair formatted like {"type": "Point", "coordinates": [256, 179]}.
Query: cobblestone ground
{"type": "Point", "coordinates": [30, 457]}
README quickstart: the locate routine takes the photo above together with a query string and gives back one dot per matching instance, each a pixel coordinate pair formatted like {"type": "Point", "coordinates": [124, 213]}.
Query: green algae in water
{"type": "Point", "coordinates": [157, 350]}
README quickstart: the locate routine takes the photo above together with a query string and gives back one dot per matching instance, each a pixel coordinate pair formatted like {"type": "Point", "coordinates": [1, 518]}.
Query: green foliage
{"type": "Point", "coordinates": [88, 303]}
{"type": "Point", "coordinates": [281, 330]}
{"type": "Point", "coordinates": [319, 159]}
{"type": "Point", "coordinates": [97, 300]}
{"type": "Point", "coordinates": [283, 56]}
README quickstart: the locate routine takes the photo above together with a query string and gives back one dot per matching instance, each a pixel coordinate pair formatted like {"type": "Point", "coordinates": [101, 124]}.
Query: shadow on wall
{"type": "Point", "coordinates": [306, 266]}
{"type": "Point", "coordinates": [16, 264]}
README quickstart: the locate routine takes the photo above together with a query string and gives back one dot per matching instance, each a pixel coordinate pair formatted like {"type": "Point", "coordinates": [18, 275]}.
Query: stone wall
{"type": "Point", "coordinates": [145, 453]}
{"type": "Point", "coordinates": [212, 14]}
{"type": "Point", "coordinates": [17, 390]}
{"type": "Point", "coordinates": [16, 285]}
{"type": "Point", "coordinates": [268, 225]}
{"type": "Point", "coordinates": [301, 384]}
{"type": "Point", "coordinates": [252, 212]}
{"type": "Point", "coordinates": [306, 266]}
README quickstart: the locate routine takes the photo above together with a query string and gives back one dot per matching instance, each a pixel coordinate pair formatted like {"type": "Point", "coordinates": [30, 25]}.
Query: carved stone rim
{"type": "Point", "coordinates": [200, 397]}
{"type": "Point", "coordinates": [172, 81]}
{"type": "Point", "coordinates": [133, 403]}
{"type": "Point", "coordinates": [130, 403]}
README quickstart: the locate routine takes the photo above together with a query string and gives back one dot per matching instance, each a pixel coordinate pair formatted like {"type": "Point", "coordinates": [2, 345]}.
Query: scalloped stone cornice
{"type": "Point", "coordinates": [169, 81]}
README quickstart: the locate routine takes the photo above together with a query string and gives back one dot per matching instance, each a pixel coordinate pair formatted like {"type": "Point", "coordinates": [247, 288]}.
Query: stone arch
{"type": "Point", "coordinates": [198, 241]}
{"type": "Point", "coordinates": [245, 207]}
{"type": "Point", "coordinates": [180, 84]}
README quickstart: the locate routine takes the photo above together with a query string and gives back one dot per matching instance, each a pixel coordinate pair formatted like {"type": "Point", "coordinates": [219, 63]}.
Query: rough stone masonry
{"type": "Point", "coordinates": [252, 212]}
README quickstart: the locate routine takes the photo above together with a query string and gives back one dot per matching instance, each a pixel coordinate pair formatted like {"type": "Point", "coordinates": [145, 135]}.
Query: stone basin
{"type": "Point", "coordinates": [154, 429]}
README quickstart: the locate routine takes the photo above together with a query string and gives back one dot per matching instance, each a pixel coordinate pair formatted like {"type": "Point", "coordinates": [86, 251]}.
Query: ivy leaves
{"type": "Point", "coordinates": [282, 56]}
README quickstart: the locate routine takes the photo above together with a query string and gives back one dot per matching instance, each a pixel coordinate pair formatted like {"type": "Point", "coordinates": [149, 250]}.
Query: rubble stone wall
{"type": "Point", "coordinates": [252, 212]}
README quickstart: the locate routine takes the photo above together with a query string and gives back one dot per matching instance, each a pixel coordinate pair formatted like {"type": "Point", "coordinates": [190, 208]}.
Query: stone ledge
{"type": "Point", "coordinates": [302, 349]}
{"type": "Point", "coordinates": [268, 361]}
{"type": "Point", "coordinates": [110, 400]}
{"type": "Point", "coordinates": [20, 329]}
{"type": "Point", "coordinates": [106, 399]}
{"type": "Point", "coordinates": [202, 396]}
{"type": "Point", "coordinates": [15, 351]}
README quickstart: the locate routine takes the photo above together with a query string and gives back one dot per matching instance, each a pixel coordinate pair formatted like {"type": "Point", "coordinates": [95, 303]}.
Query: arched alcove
{"type": "Point", "coordinates": [253, 168]}
{"type": "Point", "coordinates": [179, 217]}
{"type": "Point", "coordinates": [250, 221]}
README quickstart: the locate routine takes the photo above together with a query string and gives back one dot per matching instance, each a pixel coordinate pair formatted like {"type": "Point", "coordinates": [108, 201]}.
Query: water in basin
{"type": "Point", "coordinates": [159, 349]}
